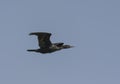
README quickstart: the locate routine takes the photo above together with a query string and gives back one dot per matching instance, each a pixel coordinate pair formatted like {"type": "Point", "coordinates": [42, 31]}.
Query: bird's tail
{"type": "Point", "coordinates": [31, 50]}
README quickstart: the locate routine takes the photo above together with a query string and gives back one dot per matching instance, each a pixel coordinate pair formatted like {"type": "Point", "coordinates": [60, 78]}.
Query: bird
{"type": "Point", "coordinates": [45, 45]}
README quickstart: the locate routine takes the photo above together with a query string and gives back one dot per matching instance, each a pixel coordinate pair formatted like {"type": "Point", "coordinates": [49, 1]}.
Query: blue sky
{"type": "Point", "coordinates": [92, 26]}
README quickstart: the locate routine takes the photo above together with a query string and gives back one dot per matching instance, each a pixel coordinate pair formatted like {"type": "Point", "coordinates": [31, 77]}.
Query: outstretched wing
{"type": "Point", "coordinates": [59, 44]}
{"type": "Point", "coordinates": [43, 39]}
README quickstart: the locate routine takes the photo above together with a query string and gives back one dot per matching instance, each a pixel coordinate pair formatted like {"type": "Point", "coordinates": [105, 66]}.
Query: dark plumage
{"type": "Point", "coordinates": [45, 44]}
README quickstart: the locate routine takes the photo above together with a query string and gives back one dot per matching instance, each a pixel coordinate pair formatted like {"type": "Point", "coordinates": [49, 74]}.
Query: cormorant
{"type": "Point", "coordinates": [45, 44]}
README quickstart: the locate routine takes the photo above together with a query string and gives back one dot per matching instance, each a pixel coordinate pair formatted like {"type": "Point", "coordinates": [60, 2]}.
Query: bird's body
{"type": "Point", "coordinates": [45, 44]}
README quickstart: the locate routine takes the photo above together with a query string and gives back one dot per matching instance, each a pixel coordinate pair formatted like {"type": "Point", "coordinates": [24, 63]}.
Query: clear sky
{"type": "Point", "coordinates": [92, 26]}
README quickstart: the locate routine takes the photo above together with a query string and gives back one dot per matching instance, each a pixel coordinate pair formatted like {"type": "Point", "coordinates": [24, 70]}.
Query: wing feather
{"type": "Point", "coordinates": [43, 39]}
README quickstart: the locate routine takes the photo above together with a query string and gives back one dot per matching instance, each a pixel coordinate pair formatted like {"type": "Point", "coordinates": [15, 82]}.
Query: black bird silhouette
{"type": "Point", "coordinates": [45, 44]}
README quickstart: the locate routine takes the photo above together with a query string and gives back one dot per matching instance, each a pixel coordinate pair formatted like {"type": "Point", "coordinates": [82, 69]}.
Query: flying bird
{"type": "Point", "coordinates": [46, 46]}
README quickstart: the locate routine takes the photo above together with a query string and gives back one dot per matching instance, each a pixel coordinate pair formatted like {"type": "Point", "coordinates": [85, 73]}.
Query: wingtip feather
{"type": "Point", "coordinates": [37, 33]}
